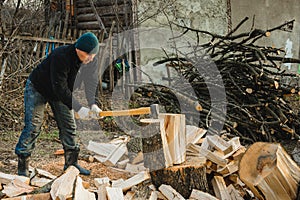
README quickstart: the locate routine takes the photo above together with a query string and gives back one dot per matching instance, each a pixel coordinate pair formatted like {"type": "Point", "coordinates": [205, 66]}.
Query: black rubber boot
{"type": "Point", "coordinates": [71, 158]}
{"type": "Point", "coordinates": [23, 166]}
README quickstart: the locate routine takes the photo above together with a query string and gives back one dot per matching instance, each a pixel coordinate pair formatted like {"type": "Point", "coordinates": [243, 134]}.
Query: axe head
{"type": "Point", "coordinates": [154, 111]}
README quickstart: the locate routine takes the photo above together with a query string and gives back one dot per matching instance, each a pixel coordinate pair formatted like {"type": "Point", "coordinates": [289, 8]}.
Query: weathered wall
{"type": "Point", "coordinates": [210, 15]}
{"type": "Point", "coordinates": [269, 14]}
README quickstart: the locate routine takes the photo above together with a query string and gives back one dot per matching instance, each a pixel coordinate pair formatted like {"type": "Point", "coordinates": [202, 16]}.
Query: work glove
{"type": "Point", "coordinates": [95, 111]}
{"type": "Point", "coordinates": [83, 113]}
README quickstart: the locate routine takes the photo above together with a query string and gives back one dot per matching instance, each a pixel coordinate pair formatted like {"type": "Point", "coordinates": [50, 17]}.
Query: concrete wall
{"type": "Point", "coordinates": [208, 15]}
{"type": "Point", "coordinates": [269, 14]}
{"type": "Point", "coordinates": [212, 16]}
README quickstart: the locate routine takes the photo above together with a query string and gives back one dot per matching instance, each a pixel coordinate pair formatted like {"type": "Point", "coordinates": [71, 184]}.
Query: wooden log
{"type": "Point", "coordinates": [220, 188]}
{"type": "Point", "coordinates": [101, 184]}
{"type": "Point", "coordinates": [103, 149]}
{"type": "Point", "coordinates": [199, 195]}
{"type": "Point", "coordinates": [103, 11]}
{"type": "Point", "coordinates": [166, 144]}
{"type": "Point", "coordinates": [134, 169]}
{"type": "Point", "coordinates": [170, 193]}
{"type": "Point", "coordinates": [183, 178]}
{"type": "Point", "coordinates": [43, 173]}
{"type": "Point", "coordinates": [81, 193]}
{"type": "Point", "coordinates": [136, 179]}
{"type": "Point", "coordinates": [7, 178]}
{"type": "Point", "coordinates": [172, 128]}
{"type": "Point", "coordinates": [16, 187]}
{"type": "Point", "coordinates": [194, 134]}
{"type": "Point", "coordinates": [62, 187]}
{"type": "Point", "coordinates": [102, 3]}
{"type": "Point", "coordinates": [115, 155]}
{"type": "Point", "coordinates": [153, 148]}
{"type": "Point", "coordinates": [42, 196]}
{"type": "Point", "coordinates": [129, 195]}
{"type": "Point", "coordinates": [269, 172]}
{"type": "Point", "coordinates": [234, 194]}
{"type": "Point", "coordinates": [114, 193]}
{"type": "Point", "coordinates": [155, 195]}
{"type": "Point", "coordinates": [39, 181]}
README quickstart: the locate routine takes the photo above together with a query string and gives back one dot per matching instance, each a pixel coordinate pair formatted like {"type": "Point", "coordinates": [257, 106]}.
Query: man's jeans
{"type": "Point", "coordinates": [35, 104]}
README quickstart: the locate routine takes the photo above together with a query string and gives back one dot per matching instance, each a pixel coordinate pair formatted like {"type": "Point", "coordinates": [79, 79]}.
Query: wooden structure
{"type": "Point", "coordinates": [65, 21]}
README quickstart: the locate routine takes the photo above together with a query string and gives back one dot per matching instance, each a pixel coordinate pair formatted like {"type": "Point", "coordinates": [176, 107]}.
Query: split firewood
{"type": "Point", "coordinates": [230, 168]}
{"type": "Point", "coordinates": [62, 187]}
{"type": "Point", "coordinates": [134, 169]}
{"type": "Point", "coordinates": [219, 144]}
{"type": "Point", "coordinates": [234, 194]}
{"type": "Point", "coordinates": [122, 164]}
{"type": "Point", "coordinates": [269, 172]}
{"type": "Point", "coordinates": [39, 181]}
{"type": "Point", "coordinates": [170, 193]}
{"type": "Point", "coordinates": [136, 179]}
{"type": "Point", "coordinates": [108, 153]}
{"type": "Point", "coordinates": [172, 129]}
{"type": "Point", "coordinates": [81, 193]}
{"type": "Point", "coordinates": [138, 159]}
{"type": "Point", "coordinates": [155, 195]}
{"type": "Point", "coordinates": [129, 195]}
{"type": "Point", "coordinates": [114, 193]}
{"type": "Point", "coordinates": [220, 188]}
{"type": "Point", "coordinates": [43, 173]}
{"type": "Point", "coordinates": [194, 134]}
{"type": "Point", "coordinates": [16, 187]}
{"type": "Point", "coordinates": [101, 184]}
{"type": "Point", "coordinates": [167, 144]}
{"type": "Point", "coordinates": [41, 177]}
{"type": "Point", "coordinates": [199, 195]}
{"type": "Point", "coordinates": [115, 155]}
{"type": "Point", "coordinates": [42, 196]}
{"type": "Point", "coordinates": [102, 149]}
{"type": "Point", "coordinates": [7, 178]}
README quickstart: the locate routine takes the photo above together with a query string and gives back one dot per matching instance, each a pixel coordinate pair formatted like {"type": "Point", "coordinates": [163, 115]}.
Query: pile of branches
{"type": "Point", "coordinates": [253, 105]}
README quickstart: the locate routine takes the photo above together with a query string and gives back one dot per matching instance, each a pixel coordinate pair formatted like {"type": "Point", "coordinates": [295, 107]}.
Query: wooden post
{"type": "Point", "coordinates": [269, 172]}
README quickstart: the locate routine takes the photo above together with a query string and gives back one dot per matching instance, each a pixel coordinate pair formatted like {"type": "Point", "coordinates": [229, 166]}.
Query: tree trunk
{"type": "Point", "coordinates": [183, 178]}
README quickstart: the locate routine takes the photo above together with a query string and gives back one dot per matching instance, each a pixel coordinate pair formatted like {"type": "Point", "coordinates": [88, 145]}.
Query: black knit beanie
{"type": "Point", "coordinates": [88, 43]}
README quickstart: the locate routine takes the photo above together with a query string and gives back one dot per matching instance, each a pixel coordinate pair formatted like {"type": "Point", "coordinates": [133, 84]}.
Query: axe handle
{"type": "Point", "coordinates": [136, 111]}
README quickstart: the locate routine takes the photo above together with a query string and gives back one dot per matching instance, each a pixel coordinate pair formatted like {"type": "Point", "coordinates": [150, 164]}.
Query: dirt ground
{"type": "Point", "coordinates": [44, 158]}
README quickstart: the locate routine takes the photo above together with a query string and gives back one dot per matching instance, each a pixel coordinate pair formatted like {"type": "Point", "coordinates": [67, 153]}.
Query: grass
{"type": "Point", "coordinates": [53, 135]}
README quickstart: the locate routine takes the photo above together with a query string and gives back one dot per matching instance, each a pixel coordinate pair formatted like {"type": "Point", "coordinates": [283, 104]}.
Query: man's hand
{"type": "Point", "coordinates": [95, 111]}
{"type": "Point", "coordinates": [83, 113]}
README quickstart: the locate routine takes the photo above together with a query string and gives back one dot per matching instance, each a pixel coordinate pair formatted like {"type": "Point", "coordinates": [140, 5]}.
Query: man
{"type": "Point", "coordinates": [53, 82]}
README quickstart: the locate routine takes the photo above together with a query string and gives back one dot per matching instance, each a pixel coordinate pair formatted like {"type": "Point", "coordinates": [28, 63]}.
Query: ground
{"type": "Point", "coordinates": [44, 158]}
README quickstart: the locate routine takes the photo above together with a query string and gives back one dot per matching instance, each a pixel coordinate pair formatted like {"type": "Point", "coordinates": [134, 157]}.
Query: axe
{"type": "Point", "coordinates": [152, 110]}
